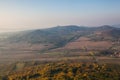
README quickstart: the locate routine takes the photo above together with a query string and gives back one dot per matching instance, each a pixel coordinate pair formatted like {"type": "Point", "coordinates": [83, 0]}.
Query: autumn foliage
{"type": "Point", "coordinates": [67, 71]}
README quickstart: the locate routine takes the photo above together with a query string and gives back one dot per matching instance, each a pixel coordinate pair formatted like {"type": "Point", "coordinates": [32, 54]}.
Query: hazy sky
{"type": "Point", "coordinates": [29, 14]}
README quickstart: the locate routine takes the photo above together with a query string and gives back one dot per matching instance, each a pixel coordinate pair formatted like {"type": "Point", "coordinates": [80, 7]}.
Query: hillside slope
{"type": "Point", "coordinates": [64, 36]}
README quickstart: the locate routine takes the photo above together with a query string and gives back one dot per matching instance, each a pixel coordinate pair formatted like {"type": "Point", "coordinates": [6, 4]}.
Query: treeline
{"type": "Point", "coordinates": [67, 71]}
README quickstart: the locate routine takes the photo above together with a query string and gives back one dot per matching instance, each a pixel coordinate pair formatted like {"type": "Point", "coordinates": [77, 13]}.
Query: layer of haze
{"type": "Point", "coordinates": [31, 14]}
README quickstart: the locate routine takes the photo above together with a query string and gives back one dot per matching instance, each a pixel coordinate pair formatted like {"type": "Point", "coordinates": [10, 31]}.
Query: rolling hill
{"type": "Point", "coordinates": [61, 38]}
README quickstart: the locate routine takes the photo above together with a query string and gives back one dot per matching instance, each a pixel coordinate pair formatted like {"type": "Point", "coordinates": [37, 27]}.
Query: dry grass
{"type": "Point", "coordinates": [83, 42]}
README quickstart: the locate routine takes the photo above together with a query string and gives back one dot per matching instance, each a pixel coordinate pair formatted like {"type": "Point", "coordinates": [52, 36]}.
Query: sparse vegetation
{"type": "Point", "coordinates": [67, 71]}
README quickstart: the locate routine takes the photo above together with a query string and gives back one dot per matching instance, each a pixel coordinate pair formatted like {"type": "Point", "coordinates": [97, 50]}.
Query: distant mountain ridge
{"type": "Point", "coordinates": [56, 35]}
{"type": "Point", "coordinates": [61, 35]}
{"type": "Point", "coordinates": [117, 25]}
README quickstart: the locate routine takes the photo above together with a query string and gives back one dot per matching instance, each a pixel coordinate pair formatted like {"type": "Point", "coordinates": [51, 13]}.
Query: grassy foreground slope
{"type": "Point", "coordinates": [67, 71]}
